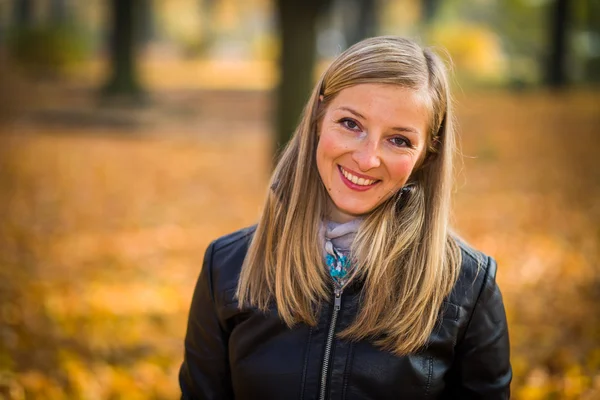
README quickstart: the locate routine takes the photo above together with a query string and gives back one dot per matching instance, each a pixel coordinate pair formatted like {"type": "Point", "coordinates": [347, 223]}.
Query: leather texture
{"type": "Point", "coordinates": [247, 354]}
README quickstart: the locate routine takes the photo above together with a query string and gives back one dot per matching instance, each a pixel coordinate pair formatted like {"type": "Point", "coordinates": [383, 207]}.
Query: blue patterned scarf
{"type": "Point", "coordinates": [337, 240]}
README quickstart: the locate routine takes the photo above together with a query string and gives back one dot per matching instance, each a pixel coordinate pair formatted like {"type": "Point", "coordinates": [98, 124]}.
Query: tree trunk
{"type": "Point", "coordinates": [123, 81]}
{"type": "Point", "coordinates": [207, 12]}
{"type": "Point", "coordinates": [58, 12]}
{"type": "Point", "coordinates": [23, 13]}
{"type": "Point", "coordinates": [147, 26]}
{"type": "Point", "coordinates": [428, 10]}
{"type": "Point", "coordinates": [297, 24]}
{"type": "Point", "coordinates": [360, 20]}
{"type": "Point", "coordinates": [557, 62]}
{"type": "Point", "coordinates": [593, 27]}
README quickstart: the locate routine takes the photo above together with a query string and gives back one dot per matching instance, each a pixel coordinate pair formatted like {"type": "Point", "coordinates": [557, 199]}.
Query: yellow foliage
{"type": "Point", "coordinates": [475, 50]}
{"type": "Point", "coordinates": [41, 386]}
{"type": "Point", "coordinates": [103, 235]}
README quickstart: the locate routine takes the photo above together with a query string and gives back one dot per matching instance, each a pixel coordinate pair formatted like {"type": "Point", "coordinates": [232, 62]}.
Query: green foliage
{"type": "Point", "coordinates": [516, 32]}
{"type": "Point", "coordinates": [49, 49]}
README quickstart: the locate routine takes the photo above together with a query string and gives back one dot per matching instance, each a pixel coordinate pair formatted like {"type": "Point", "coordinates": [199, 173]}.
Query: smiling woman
{"type": "Point", "coordinates": [351, 285]}
{"type": "Point", "coordinates": [370, 139]}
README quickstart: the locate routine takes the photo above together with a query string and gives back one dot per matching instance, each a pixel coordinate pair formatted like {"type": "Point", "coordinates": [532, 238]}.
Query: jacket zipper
{"type": "Point", "coordinates": [337, 304]}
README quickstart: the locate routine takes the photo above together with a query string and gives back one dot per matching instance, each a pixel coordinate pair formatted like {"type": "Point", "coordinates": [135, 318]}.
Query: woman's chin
{"type": "Point", "coordinates": [345, 214]}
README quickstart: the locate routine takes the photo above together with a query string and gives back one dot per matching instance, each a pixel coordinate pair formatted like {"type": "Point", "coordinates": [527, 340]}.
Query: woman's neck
{"type": "Point", "coordinates": [336, 215]}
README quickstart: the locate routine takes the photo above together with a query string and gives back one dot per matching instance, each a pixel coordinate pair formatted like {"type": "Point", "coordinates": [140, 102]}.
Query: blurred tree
{"type": "Point", "coordinates": [359, 19]}
{"type": "Point", "coordinates": [23, 13]}
{"type": "Point", "coordinates": [123, 81]}
{"type": "Point", "coordinates": [59, 12]}
{"type": "Point", "coordinates": [3, 27]}
{"type": "Point", "coordinates": [556, 75]}
{"type": "Point", "coordinates": [46, 47]}
{"type": "Point", "coordinates": [522, 27]}
{"type": "Point", "coordinates": [593, 32]}
{"type": "Point", "coordinates": [297, 25]}
{"type": "Point", "coordinates": [147, 26]}
{"type": "Point", "coordinates": [207, 11]}
{"type": "Point", "coordinates": [428, 10]}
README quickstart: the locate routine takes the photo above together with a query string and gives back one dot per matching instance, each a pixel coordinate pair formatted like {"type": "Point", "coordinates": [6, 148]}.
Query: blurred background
{"type": "Point", "coordinates": [133, 132]}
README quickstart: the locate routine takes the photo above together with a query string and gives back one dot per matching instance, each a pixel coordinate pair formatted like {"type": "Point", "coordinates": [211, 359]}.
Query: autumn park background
{"type": "Point", "coordinates": [133, 132]}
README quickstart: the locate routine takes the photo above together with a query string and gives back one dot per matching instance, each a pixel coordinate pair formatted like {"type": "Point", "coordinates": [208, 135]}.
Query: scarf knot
{"type": "Point", "coordinates": [337, 239]}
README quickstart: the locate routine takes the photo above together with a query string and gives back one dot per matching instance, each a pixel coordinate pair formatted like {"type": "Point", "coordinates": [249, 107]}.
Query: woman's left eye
{"type": "Point", "coordinates": [399, 141]}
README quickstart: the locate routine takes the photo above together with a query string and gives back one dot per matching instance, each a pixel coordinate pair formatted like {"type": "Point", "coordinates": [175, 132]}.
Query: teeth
{"type": "Point", "coordinates": [356, 180]}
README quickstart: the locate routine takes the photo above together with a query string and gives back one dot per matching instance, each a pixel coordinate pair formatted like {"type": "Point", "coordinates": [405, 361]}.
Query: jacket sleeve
{"type": "Point", "coordinates": [482, 365]}
{"type": "Point", "coordinates": [204, 373]}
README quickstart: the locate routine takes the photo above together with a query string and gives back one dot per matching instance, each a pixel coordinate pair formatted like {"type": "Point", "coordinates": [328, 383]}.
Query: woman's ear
{"type": "Point", "coordinates": [320, 98]}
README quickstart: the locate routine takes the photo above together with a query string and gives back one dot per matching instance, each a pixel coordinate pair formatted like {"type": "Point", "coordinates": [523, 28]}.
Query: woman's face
{"type": "Point", "coordinates": [370, 139]}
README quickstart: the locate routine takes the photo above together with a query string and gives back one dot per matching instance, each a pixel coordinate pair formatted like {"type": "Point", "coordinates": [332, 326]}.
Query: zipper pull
{"type": "Point", "coordinates": [337, 300]}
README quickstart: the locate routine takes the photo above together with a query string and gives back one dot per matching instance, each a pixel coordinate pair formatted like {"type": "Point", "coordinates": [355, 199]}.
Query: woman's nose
{"type": "Point", "coordinates": [366, 155]}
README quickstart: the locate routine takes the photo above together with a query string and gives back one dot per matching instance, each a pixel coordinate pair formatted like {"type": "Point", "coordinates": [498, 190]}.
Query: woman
{"type": "Point", "coordinates": [351, 285]}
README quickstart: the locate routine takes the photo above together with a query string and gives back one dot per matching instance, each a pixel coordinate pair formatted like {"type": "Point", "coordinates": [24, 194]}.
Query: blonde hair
{"type": "Point", "coordinates": [405, 255]}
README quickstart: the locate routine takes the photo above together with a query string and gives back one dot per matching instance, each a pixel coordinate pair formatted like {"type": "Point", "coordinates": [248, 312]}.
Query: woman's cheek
{"type": "Point", "coordinates": [331, 145]}
{"type": "Point", "coordinates": [403, 167]}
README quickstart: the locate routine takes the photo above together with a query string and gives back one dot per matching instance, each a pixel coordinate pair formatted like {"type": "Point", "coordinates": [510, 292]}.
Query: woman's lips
{"type": "Point", "coordinates": [357, 182]}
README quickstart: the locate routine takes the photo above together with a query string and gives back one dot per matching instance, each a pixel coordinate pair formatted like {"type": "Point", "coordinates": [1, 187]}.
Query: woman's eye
{"type": "Point", "coordinates": [349, 123]}
{"type": "Point", "coordinates": [400, 141]}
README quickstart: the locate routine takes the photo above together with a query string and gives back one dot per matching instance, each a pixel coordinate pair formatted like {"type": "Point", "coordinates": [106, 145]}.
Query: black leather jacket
{"type": "Point", "coordinates": [251, 355]}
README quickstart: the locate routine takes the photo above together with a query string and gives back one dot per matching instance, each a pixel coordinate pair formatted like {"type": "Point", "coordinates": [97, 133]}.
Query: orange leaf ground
{"type": "Point", "coordinates": [105, 214]}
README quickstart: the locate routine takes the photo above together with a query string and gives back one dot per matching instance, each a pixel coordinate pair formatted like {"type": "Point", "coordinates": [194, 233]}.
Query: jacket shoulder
{"type": "Point", "coordinates": [477, 270]}
{"type": "Point", "coordinates": [237, 238]}
{"type": "Point", "coordinates": [225, 257]}
{"type": "Point", "coordinates": [474, 262]}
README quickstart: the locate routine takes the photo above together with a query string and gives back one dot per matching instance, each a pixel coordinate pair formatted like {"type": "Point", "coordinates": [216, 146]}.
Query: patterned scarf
{"type": "Point", "coordinates": [337, 240]}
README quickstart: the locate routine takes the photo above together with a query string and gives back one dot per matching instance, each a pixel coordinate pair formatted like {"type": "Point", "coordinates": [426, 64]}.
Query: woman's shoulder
{"type": "Point", "coordinates": [239, 238]}
{"type": "Point", "coordinates": [483, 331]}
{"type": "Point", "coordinates": [475, 262]}
{"type": "Point", "coordinates": [225, 256]}
{"type": "Point", "coordinates": [477, 274]}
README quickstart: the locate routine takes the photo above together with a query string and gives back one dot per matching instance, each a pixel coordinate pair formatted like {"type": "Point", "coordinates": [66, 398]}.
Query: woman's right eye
{"type": "Point", "coordinates": [349, 124]}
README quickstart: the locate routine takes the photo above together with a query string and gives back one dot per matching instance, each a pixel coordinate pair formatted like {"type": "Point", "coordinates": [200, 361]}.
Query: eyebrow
{"type": "Point", "coordinates": [351, 111]}
{"type": "Point", "coordinates": [398, 128]}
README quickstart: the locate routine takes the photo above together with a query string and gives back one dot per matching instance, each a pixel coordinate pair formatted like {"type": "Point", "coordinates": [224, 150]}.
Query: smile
{"type": "Point", "coordinates": [357, 180]}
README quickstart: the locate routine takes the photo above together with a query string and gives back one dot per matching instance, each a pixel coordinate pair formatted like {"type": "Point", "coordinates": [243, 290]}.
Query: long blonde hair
{"type": "Point", "coordinates": [405, 255]}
